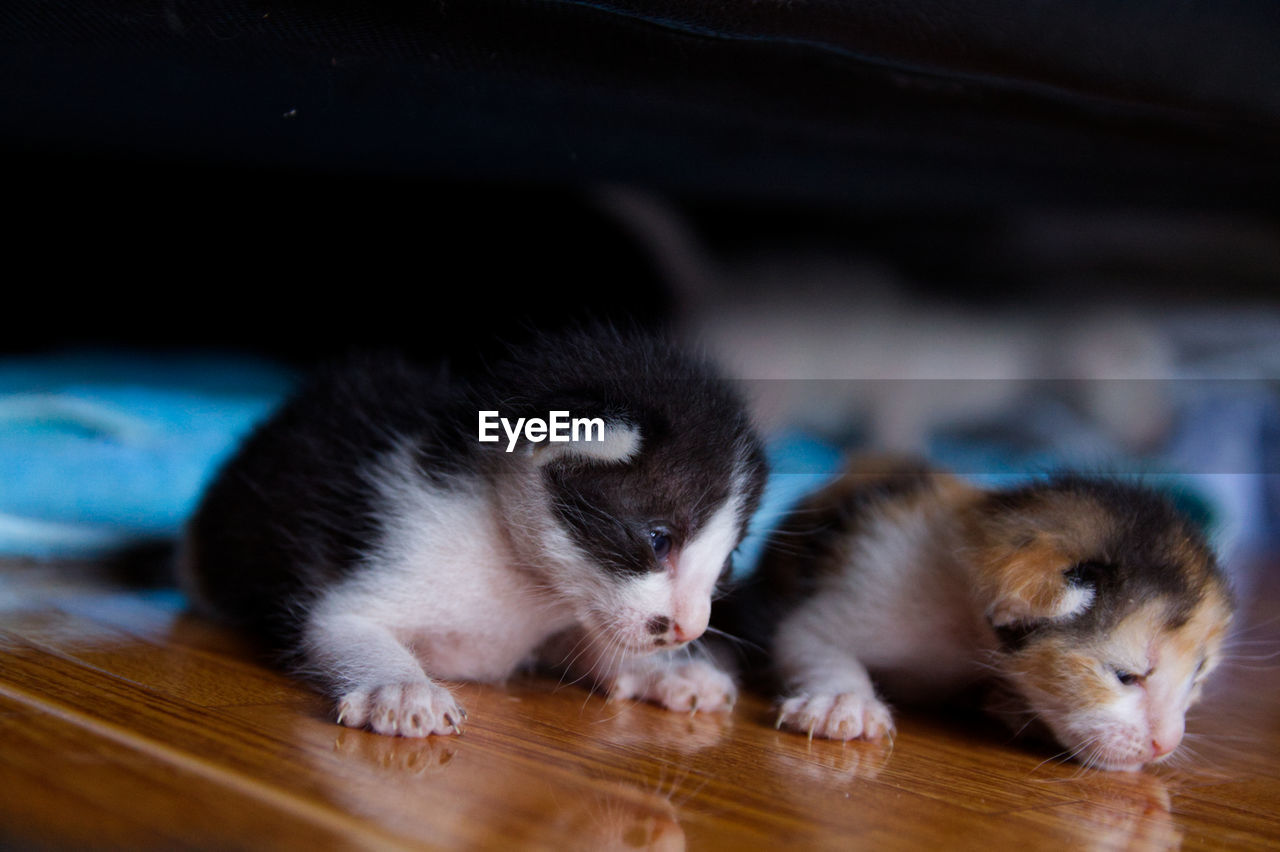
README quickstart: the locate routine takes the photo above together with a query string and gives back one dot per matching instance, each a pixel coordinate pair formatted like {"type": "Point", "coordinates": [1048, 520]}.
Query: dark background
{"type": "Point", "coordinates": [289, 177]}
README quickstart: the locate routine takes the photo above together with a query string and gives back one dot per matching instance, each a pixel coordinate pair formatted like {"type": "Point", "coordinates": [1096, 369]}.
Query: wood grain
{"type": "Point", "coordinates": [128, 724]}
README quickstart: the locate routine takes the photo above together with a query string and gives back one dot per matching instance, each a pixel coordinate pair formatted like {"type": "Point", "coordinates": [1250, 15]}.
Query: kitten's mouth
{"type": "Point", "coordinates": [633, 642]}
{"type": "Point", "coordinates": [1121, 759]}
{"type": "Point", "coordinates": [635, 638]}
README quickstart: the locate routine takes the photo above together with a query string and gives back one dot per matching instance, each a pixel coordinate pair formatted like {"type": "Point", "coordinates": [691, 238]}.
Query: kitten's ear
{"type": "Point", "coordinates": [611, 441]}
{"type": "Point", "coordinates": [1035, 582]}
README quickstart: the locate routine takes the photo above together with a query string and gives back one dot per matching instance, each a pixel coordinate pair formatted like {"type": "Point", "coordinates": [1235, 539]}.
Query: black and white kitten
{"type": "Point", "coordinates": [372, 539]}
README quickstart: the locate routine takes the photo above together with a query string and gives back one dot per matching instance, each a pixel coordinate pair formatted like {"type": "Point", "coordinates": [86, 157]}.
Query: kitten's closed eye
{"type": "Point", "coordinates": [1128, 678]}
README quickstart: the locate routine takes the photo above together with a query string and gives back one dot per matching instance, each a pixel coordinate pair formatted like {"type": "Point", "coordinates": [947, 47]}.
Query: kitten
{"type": "Point", "coordinates": [370, 537]}
{"type": "Point", "coordinates": [836, 343]}
{"type": "Point", "coordinates": [1095, 604]}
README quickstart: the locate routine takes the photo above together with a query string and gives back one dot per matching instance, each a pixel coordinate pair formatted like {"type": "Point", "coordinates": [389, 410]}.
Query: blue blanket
{"type": "Point", "coordinates": [99, 450]}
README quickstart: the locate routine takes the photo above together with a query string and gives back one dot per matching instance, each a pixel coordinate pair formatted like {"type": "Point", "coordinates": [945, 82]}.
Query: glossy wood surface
{"type": "Point", "coordinates": [125, 723]}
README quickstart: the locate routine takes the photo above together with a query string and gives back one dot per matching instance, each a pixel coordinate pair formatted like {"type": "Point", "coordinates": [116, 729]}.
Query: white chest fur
{"type": "Point", "coordinates": [902, 608]}
{"type": "Point", "coordinates": [445, 582]}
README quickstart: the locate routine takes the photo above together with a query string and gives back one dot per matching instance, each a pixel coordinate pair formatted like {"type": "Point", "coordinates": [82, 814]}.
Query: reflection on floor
{"type": "Point", "coordinates": [127, 723]}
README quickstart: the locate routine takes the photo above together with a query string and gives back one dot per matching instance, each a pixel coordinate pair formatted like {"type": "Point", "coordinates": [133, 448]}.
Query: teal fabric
{"type": "Point", "coordinates": [103, 449]}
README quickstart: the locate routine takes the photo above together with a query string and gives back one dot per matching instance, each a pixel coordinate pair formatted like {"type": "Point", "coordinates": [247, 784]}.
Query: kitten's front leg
{"type": "Point", "coordinates": [829, 692]}
{"type": "Point", "coordinates": [675, 681]}
{"type": "Point", "coordinates": [379, 683]}
{"type": "Point", "coordinates": [683, 680]}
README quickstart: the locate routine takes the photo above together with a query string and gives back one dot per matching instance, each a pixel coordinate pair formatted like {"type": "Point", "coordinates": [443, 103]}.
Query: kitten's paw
{"type": "Point", "coordinates": [689, 687]}
{"type": "Point", "coordinates": [843, 716]}
{"type": "Point", "coordinates": [415, 709]}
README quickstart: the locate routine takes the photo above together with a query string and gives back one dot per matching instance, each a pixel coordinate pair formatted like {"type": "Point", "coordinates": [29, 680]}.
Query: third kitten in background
{"type": "Point", "coordinates": [1096, 605]}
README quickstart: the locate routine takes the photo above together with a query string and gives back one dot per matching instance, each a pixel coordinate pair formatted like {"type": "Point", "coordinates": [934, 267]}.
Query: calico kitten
{"type": "Point", "coordinates": [1095, 604]}
{"type": "Point", "coordinates": [369, 536]}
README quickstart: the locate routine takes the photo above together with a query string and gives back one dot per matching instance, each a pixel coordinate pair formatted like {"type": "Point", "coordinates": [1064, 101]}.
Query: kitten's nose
{"type": "Point", "coordinates": [1166, 735]}
{"type": "Point", "coordinates": [668, 631]}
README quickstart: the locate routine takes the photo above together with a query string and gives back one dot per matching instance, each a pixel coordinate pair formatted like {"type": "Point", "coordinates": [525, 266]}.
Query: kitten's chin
{"type": "Point", "coordinates": [1112, 748]}
{"type": "Point", "coordinates": [1120, 766]}
{"type": "Point", "coordinates": [1119, 759]}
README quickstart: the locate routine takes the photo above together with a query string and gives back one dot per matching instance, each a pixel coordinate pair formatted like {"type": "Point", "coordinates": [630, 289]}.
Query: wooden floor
{"type": "Point", "coordinates": [125, 723]}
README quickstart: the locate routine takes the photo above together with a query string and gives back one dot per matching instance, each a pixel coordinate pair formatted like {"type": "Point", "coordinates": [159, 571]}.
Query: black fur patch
{"type": "Point", "coordinates": [694, 434]}
{"type": "Point", "coordinates": [1013, 637]}
{"type": "Point", "coordinates": [1153, 551]}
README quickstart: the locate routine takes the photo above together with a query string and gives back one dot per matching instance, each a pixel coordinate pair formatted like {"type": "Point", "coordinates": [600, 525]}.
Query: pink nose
{"type": "Point", "coordinates": [680, 635]}
{"type": "Point", "coordinates": [1163, 747]}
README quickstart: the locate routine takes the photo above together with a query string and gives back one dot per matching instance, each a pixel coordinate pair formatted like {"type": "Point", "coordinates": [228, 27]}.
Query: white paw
{"type": "Point", "coordinates": [844, 716]}
{"type": "Point", "coordinates": [415, 709]}
{"type": "Point", "coordinates": [690, 687]}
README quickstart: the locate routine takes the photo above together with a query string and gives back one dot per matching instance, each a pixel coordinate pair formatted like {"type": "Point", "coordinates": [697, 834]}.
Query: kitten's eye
{"type": "Point", "coordinates": [1127, 678]}
{"type": "Point", "coordinates": [661, 543]}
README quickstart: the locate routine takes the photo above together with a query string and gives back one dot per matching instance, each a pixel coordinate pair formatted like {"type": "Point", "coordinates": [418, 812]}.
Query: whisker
{"type": "Point", "coordinates": [737, 640]}
{"type": "Point", "coordinates": [1064, 756]}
